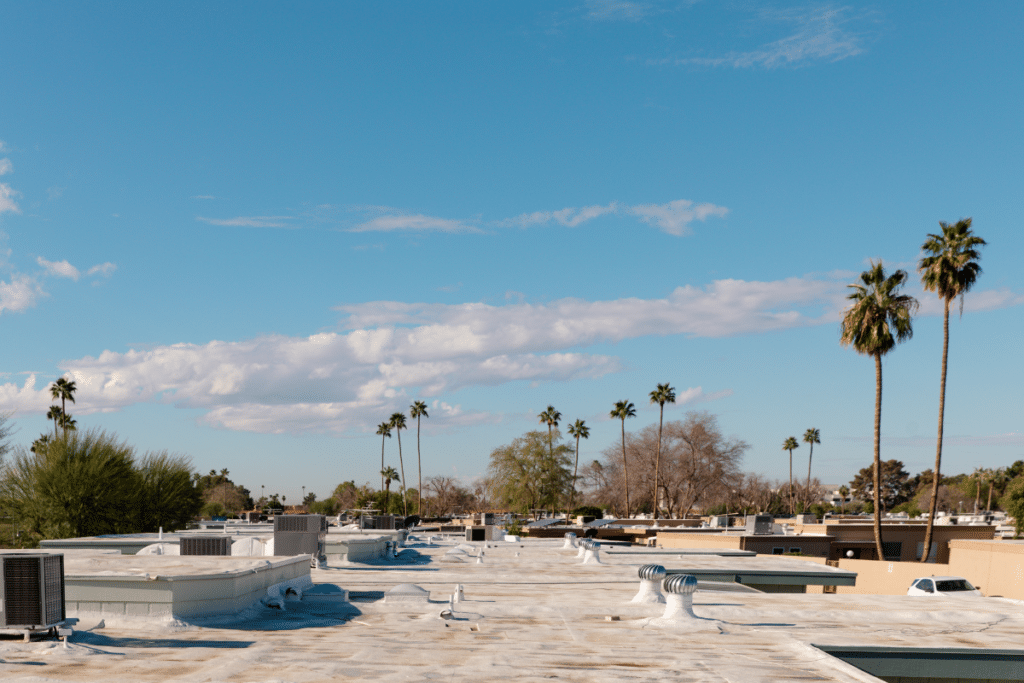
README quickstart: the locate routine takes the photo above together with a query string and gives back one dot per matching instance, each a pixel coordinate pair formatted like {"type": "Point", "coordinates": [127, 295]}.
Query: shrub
{"type": "Point", "coordinates": [1013, 502]}
{"type": "Point", "coordinates": [328, 506]}
{"type": "Point", "coordinates": [588, 511]}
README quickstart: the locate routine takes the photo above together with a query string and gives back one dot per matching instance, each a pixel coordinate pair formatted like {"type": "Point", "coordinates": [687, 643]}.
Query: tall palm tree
{"type": "Point", "coordinates": [621, 411]}
{"type": "Point", "coordinates": [388, 474]}
{"type": "Point", "coordinates": [878, 319]}
{"type": "Point", "coordinates": [64, 389]}
{"type": "Point", "coordinates": [580, 430]}
{"type": "Point", "coordinates": [790, 444]}
{"type": "Point", "coordinates": [844, 491]}
{"type": "Point", "coordinates": [950, 269]}
{"type": "Point", "coordinates": [398, 424]}
{"type": "Point", "coordinates": [417, 410]}
{"type": "Point", "coordinates": [55, 414]}
{"type": "Point", "coordinates": [550, 417]}
{"type": "Point", "coordinates": [40, 444]}
{"type": "Point", "coordinates": [811, 436]}
{"type": "Point", "coordinates": [384, 432]}
{"type": "Point", "coordinates": [661, 395]}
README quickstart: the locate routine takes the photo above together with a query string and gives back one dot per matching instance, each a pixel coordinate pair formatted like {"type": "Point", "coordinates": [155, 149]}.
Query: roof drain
{"type": "Point", "coordinates": [591, 553]}
{"type": "Point", "coordinates": [651, 576]}
{"type": "Point", "coordinates": [570, 540]}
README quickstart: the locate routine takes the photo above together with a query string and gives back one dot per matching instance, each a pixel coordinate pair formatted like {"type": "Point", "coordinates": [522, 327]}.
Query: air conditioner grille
{"type": "Point", "coordinates": [53, 577]}
{"type": "Point", "coordinates": [205, 545]}
{"type": "Point", "coordinates": [21, 590]}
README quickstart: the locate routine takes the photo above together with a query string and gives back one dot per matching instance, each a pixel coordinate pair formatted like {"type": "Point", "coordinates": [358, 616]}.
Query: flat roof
{"type": "Point", "coordinates": [531, 612]}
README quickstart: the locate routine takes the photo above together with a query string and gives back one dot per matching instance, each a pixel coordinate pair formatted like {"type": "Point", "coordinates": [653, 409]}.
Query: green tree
{"type": "Point", "coordinates": [527, 474]}
{"type": "Point", "coordinates": [950, 269]}
{"type": "Point", "coordinates": [811, 436]}
{"type": "Point", "coordinates": [622, 410]}
{"type": "Point", "coordinates": [878, 319]}
{"type": "Point", "coordinates": [63, 389]}
{"type": "Point", "coordinates": [579, 430]}
{"type": "Point", "coordinates": [40, 444]}
{"type": "Point", "coordinates": [5, 434]}
{"type": "Point", "coordinates": [384, 432]}
{"type": "Point", "coordinates": [894, 484]}
{"type": "Point", "coordinates": [550, 417]}
{"type": "Point", "coordinates": [844, 491]}
{"type": "Point", "coordinates": [662, 394]}
{"type": "Point", "coordinates": [789, 445]}
{"type": "Point", "coordinates": [55, 414]}
{"type": "Point", "coordinates": [1013, 502]}
{"type": "Point", "coordinates": [418, 410]}
{"type": "Point", "coordinates": [398, 424]}
{"type": "Point", "coordinates": [169, 497]}
{"type": "Point", "coordinates": [389, 475]}
{"type": "Point", "coordinates": [84, 485]}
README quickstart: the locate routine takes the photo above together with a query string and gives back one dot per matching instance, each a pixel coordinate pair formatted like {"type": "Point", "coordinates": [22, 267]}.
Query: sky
{"type": "Point", "coordinates": [252, 231]}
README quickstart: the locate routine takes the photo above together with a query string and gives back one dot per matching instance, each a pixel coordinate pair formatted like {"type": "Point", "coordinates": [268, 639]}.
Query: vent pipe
{"type": "Point", "coordinates": [651, 576]}
{"type": "Point", "coordinates": [679, 602]}
{"type": "Point", "coordinates": [591, 553]}
{"type": "Point", "coordinates": [570, 540]}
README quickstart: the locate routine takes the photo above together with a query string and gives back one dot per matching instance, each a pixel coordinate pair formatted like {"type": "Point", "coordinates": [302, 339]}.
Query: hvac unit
{"type": "Point", "coordinates": [300, 535]}
{"type": "Point", "coordinates": [205, 545]}
{"type": "Point", "coordinates": [484, 519]}
{"type": "Point", "coordinates": [33, 591]}
{"type": "Point", "coordinates": [760, 524]}
{"type": "Point", "coordinates": [476, 533]}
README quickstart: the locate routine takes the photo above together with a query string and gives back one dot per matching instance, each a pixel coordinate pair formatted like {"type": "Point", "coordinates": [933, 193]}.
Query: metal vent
{"type": "Point", "coordinates": [300, 535]}
{"type": "Point", "coordinates": [33, 590]}
{"type": "Point", "coordinates": [205, 545]}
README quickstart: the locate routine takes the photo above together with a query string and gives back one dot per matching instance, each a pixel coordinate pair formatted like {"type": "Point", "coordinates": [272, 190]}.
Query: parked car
{"type": "Point", "coordinates": [942, 585]}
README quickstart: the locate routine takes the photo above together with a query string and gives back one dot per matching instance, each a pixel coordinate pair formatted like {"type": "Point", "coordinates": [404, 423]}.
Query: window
{"type": "Point", "coordinates": [795, 550]}
{"type": "Point", "coordinates": [954, 585]}
{"type": "Point", "coordinates": [926, 585]}
{"type": "Point", "coordinates": [778, 551]}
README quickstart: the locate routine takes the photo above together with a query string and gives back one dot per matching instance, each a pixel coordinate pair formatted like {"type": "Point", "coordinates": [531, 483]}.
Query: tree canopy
{"type": "Point", "coordinates": [527, 475]}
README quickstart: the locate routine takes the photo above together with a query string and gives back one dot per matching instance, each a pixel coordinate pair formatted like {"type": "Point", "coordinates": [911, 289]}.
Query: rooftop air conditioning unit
{"type": "Point", "coordinates": [300, 535]}
{"type": "Point", "coordinates": [33, 591]}
{"type": "Point", "coordinates": [476, 533]}
{"type": "Point", "coordinates": [205, 545]}
{"type": "Point", "coordinates": [760, 524]}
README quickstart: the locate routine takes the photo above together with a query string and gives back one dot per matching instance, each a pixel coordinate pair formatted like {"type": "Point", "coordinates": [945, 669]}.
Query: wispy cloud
{"type": "Point", "coordinates": [59, 268]}
{"type": "Point", "coordinates": [616, 10]}
{"type": "Point", "coordinates": [105, 269]}
{"type": "Point", "coordinates": [5, 166]}
{"type": "Point", "coordinates": [7, 195]}
{"type": "Point", "coordinates": [20, 293]}
{"type": "Point", "coordinates": [820, 35]}
{"type": "Point", "coordinates": [250, 221]}
{"type": "Point", "coordinates": [674, 217]}
{"type": "Point", "coordinates": [414, 222]}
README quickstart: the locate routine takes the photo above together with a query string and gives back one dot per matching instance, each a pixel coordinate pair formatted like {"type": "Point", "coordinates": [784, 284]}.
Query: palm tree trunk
{"type": "Point", "coordinates": [405, 499]}
{"type": "Point", "coordinates": [382, 462]}
{"type": "Point", "coordinates": [792, 503]}
{"type": "Point", "coordinates": [657, 462]}
{"type": "Point", "coordinates": [810, 457]}
{"type": "Point", "coordinates": [575, 469]}
{"type": "Point", "coordinates": [878, 457]}
{"type": "Point", "coordinates": [625, 467]}
{"type": "Point", "coordinates": [419, 470]}
{"type": "Point", "coordinates": [933, 504]}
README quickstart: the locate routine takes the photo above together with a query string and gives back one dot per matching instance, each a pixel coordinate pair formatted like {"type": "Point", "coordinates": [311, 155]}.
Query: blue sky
{"type": "Point", "coordinates": [252, 231]}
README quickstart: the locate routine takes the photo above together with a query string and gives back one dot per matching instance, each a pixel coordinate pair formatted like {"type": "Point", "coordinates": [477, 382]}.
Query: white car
{"type": "Point", "coordinates": [942, 585]}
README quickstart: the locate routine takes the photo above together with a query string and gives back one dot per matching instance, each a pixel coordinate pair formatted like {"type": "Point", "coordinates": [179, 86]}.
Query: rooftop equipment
{"type": "Point", "coordinates": [760, 524]}
{"type": "Point", "coordinates": [33, 591]}
{"type": "Point", "coordinates": [476, 533]}
{"type": "Point", "coordinates": [651, 576]}
{"type": "Point", "coordinates": [205, 545]}
{"type": "Point", "coordinates": [301, 535]}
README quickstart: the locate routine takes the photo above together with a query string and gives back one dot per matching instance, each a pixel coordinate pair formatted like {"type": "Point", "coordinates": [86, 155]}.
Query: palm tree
{"type": "Point", "coordinates": [417, 410]}
{"type": "Point", "coordinates": [622, 410]}
{"type": "Point", "coordinates": [878, 311]}
{"type": "Point", "coordinates": [388, 474]}
{"type": "Point", "coordinates": [661, 395]}
{"type": "Point", "coordinates": [398, 424]}
{"type": "Point", "coordinates": [55, 414]}
{"type": "Point", "coordinates": [811, 436]}
{"type": "Point", "coordinates": [40, 444]}
{"type": "Point", "coordinates": [789, 445]}
{"type": "Point", "coordinates": [950, 270]}
{"type": "Point", "coordinates": [550, 417]}
{"type": "Point", "coordinates": [580, 430]}
{"type": "Point", "coordinates": [384, 432]}
{"type": "Point", "coordinates": [63, 389]}
{"type": "Point", "coordinates": [844, 491]}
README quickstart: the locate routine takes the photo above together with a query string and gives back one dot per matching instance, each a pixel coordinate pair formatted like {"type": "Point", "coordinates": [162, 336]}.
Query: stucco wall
{"type": "Point", "coordinates": [997, 567]}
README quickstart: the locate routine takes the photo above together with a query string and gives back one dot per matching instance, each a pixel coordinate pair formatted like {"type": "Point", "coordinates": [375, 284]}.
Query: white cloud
{"type": "Point", "coordinates": [250, 221]}
{"type": "Point", "coordinates": [18, 294]}
{"type": "Point", "coordinates": [392, 352]}
{"type": "Point", "coordinates": [105, 269]}
{"type": "Point", "coordinates": [675, 217]}
{"type": "Point", "coordinates": [7, 195]}
{"type": "Point", "coordinates": [4, 147]}
{"type": "Point", "coordinates": [5, 166]}
{"type": "Point", "coordinates": [59, 268]}
{"type": "Point", "coordinates": [417, 222]}
{"type": "Point", "coordinates": [819, 36]}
